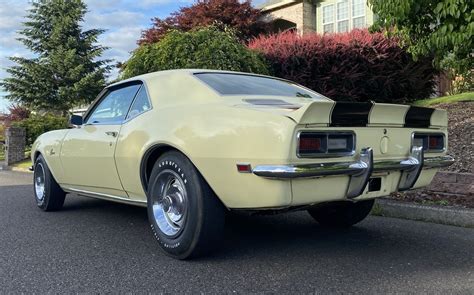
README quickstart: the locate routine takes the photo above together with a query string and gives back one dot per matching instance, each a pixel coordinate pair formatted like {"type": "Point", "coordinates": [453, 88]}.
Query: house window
{"type": "Point", "coordinates": [344, 16]}
{"type": "Point", "coordinates": [328, 18]}
{"type": "Point", "coordinates": [358, 14]}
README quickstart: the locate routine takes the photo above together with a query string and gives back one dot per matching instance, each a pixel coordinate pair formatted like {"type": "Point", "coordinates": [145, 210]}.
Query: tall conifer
{"type": "Point", "coordinates": [66, 69]}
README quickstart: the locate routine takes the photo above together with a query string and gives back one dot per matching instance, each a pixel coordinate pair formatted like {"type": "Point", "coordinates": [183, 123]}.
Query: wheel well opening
{"type": "Point", "coordinates": [149, 161]}
{"type": "Point", "coordinates": [37, 153]}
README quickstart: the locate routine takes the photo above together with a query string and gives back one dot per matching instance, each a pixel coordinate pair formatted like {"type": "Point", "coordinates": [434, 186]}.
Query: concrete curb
{"type": "Point", "coordinates": [428, 213]}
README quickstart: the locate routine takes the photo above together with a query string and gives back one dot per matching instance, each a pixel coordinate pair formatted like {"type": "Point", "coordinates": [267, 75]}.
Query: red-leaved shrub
{"type": "Point", "coordinates": [18, 113]}
{"type": "Point", "coordinates": [355, 66]}
{"type": "Point", "coordinates": [239, 15]}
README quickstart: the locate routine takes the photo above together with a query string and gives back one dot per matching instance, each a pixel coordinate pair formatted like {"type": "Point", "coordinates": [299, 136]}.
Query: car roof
{"type": "Point", "coordinates": [150, 76]}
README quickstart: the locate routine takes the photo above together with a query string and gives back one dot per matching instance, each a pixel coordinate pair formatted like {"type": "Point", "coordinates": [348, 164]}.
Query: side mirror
{"type": "Point", "coordinates": [76, 120]}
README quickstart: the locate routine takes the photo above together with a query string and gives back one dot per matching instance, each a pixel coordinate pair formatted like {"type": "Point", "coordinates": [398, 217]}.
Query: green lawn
{"type": "Point", "coordinates": [25, 164]}
{"type": "Point", "coordinates": [468, 96]}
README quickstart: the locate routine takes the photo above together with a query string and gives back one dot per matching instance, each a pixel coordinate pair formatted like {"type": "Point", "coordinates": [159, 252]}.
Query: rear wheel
{"type": "Point", "coordinates": [341, 214]}
{"type": "Point", "coordinates": [186, 217]}
{"type": "Point", "coordinates": [48, 194]}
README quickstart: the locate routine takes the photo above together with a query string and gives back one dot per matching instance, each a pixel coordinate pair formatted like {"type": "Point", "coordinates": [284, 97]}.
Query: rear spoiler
{"type": "Point", "coordinates": [361, 114]}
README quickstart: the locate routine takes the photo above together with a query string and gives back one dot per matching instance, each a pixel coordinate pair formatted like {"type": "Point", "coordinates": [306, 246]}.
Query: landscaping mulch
{"type": "Point", "coordinates": [431, 198]}
{"type": "Point", "coordinates": [460, 135]}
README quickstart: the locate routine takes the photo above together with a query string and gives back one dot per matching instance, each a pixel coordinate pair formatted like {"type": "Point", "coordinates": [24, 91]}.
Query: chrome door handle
{"type": "Point", "coordinates": [112, 133]}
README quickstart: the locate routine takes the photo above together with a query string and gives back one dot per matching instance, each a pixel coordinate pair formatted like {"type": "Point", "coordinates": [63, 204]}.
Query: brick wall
{"type": "Point", "coordinates": [309, 18]}
{"type": "Point", "coordinates": [15, 140]}
{"type": "Point", "coordinates": [303, 14]}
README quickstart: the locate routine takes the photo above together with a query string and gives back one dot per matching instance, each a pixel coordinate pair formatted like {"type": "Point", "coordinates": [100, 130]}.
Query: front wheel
{"type": "Point", "coordinates": [48, 194]}
{"type": "Point", "coordinates": [341, 214]}
{"type": "Point", "coordinates": [186, 217]}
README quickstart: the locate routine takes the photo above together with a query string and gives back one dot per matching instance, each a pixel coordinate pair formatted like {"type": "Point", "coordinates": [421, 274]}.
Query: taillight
{"type": "Point", "coordinates": [310, 144]}
{"type": "Point", "coordinates": [436, 142]}
{"type": "Point", "coordinates": [325, 144]}
{"type": "Point", "coordinates": [430, 142]}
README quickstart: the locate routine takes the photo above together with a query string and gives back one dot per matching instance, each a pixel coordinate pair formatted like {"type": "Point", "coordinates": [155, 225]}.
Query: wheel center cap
{"type": "Point", "coordinates": [167, 204]}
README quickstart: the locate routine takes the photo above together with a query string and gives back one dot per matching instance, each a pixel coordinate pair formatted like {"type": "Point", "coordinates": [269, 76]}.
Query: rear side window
{"type": "Point", "coordinates": [113, 108]}
{"type": "Point", "coordinates": [140, 105]}
{"type": "Point", "coordinates": [240, 84]}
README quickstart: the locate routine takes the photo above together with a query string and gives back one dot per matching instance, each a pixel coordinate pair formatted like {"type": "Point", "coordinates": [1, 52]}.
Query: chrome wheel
{"type": "Point", "coordinates": [39, 181]}
{"type": "Point", "coordinates": [170, 205]}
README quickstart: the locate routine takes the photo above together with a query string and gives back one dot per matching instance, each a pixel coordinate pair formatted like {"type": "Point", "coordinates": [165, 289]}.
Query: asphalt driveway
{"type": "Point", "coordinates": [95, 246]}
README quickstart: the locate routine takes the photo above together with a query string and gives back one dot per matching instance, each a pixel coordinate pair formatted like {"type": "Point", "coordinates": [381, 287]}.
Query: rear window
{"type": "Point", "coordinates": [240, 84]}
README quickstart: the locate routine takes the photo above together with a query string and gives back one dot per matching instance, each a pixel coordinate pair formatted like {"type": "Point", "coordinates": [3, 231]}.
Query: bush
{"type": "Point", "coordinates": [206, 48]}
{"type": "Point", "coordinates": [463, 83]}
{"type": "Point", "coordinates": [17, 112]}
{"type": "Point", "coordinates": [461, 74]}
{"type": "Point", "coordinates": [36, 125]}
{"type": "Point", "coordinates": [355, 66]}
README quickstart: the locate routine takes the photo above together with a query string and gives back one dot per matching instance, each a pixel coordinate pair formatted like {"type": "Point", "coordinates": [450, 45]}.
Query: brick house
{"type": "Point", "coordinates": [323, 16]}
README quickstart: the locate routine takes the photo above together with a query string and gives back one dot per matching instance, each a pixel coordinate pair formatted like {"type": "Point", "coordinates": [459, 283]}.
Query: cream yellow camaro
{"type": "Point", "coordinates": [191, 145]}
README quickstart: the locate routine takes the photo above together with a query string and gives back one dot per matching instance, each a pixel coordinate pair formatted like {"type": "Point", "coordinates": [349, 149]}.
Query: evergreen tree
{"type": "Point", "coordinates": [66, 70]}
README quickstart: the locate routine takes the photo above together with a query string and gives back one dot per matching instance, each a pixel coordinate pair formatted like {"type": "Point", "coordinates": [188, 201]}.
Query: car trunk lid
{"type": "Point", "coordinates": [355, 114]}
{"type": "Point", "coordinates": [346, 114]}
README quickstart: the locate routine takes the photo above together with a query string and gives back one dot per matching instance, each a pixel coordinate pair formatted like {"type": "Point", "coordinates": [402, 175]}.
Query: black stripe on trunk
{"type": "Point", "coordinates": [418, 117]}
{"type": "Point", "coordinates": [350, 114]}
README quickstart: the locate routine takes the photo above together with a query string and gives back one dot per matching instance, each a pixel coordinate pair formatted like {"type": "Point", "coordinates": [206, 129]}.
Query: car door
{"type": "Point", "coordinates": [88, 152]}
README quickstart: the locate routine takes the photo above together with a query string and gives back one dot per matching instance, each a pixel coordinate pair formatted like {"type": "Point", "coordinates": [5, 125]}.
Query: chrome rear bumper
{"type": "Point", "coordinates": [359, 171]}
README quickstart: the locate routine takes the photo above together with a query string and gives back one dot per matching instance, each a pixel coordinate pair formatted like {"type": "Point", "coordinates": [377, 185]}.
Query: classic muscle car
{"type": "Point", "coordinates": [191, 145]}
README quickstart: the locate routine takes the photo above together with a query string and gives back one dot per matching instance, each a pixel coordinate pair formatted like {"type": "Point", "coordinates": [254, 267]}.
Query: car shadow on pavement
{"type": "Point", "coordinates": [297, 235]}
{"type": "Point", "coordinates": [295, 231]}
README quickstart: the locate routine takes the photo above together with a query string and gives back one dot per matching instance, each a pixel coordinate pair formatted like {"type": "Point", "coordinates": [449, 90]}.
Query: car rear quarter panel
{"type": "Point", "coordinates": [215, 138]}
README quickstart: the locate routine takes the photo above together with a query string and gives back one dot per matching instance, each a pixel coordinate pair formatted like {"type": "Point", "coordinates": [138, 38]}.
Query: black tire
{"type": "Point", "coordinates": [52, 198]}
{"type": "Point", "coordinates": [341, 214]}
{"type": "Point", "coordinates": [203, 217]}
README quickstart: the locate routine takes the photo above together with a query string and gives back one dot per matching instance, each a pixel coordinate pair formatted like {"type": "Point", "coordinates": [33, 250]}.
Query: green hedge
{"type": "Point", "coordinates": [36, 125]}
{"type": "Point", "coordinates": [205, 48]}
